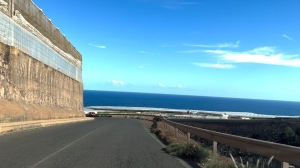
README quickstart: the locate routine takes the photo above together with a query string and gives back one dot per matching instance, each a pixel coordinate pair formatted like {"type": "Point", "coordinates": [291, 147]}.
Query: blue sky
{"type": "Point", "coordinates": [234, 48]}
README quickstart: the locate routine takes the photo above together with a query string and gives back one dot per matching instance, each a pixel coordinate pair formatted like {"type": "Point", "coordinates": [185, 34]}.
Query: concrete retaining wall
{"type": "Point", "coordinates": [31, 90]}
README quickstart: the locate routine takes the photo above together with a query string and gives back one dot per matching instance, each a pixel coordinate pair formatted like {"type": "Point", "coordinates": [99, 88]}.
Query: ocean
{"type": "Point", "coordinates": [218, 104]}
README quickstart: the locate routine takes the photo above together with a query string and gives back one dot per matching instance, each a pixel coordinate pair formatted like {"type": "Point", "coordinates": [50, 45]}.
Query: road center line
{"type": "Point", "coordinates": [41, 161]}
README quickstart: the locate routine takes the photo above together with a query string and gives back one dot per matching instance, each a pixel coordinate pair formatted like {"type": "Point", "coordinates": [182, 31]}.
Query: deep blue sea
{"type": "Point", "coordinates": [127, 99]}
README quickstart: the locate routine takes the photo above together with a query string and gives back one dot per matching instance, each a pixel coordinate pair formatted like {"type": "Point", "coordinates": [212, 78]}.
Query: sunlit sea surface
{"type": "Point", "coordinates": [215, 104]}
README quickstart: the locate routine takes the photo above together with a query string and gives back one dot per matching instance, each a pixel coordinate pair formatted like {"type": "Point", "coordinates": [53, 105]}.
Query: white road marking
{"type": "Point", "coordinates": [41, 161]}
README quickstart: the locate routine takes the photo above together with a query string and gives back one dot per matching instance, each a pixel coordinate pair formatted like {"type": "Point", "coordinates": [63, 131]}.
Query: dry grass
{"type": "Point", "coordinates": [211, 160]}
{"type": "Point", "coordinates": [178, 146]}
{"type": "Point", "coordinates": [147, 124]}
{"type": "Point", "coordinates": [169, 134]}
{"type": "Point", "coordinates": [258, 164]}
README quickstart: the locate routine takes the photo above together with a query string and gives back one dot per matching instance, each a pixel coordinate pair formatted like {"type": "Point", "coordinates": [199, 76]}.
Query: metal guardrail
{"type": "Point", "coordinates": [284, 153]}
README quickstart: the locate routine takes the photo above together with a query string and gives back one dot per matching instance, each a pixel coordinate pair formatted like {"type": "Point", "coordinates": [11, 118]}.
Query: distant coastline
{"type": "Point", "coordinates": [194, 95]}
{"type": "Point", "coordinates": [217, 104]}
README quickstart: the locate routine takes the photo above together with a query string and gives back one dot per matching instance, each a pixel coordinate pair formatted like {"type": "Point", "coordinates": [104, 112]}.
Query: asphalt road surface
{"type": "Point", "coordinates": [103, 142]}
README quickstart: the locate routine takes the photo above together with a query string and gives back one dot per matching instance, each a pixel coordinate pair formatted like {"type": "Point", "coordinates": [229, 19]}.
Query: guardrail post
{"type": "Point", "coordinates": [215, 147]}
{"type": "Point", "coordinates": [284, 165]}
{"type": "Point", "coordinates": [176, 132]}
{"type": "Point", "coordinates": [188, 137]}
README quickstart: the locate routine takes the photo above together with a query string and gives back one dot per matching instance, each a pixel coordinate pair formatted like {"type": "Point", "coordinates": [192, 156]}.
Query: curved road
{"type": "Point", "coordinates": [103, 142]}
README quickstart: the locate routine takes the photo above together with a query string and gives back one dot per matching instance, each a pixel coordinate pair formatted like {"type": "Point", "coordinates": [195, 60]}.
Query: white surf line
{"type": "Point", "coordinates": [41, 161]}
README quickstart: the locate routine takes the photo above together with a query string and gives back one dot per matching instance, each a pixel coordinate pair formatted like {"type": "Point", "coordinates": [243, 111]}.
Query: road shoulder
{"type": "Point", "coordinates": [26, 125]}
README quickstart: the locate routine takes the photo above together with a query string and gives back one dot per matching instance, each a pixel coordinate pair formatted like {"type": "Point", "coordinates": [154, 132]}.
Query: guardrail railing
{"type": "Point", "coordinates": [286, 154]}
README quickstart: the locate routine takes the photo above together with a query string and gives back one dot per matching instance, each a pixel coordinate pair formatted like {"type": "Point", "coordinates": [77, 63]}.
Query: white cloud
{"type": "Point", "coordinates": [98, 46]}
{"type": "Point", "coordinates": [289, 38]}
{"type": "Point", "coordinates": [262, 59]}
{"type": "Point", "coordinates": [261, 55]}
{"type": "Point", "coordinates": [143, 66]}
{"type": "Point", "coordinates": [222, 45]}
{"type": "Point", "coordinates": [161, 85]}
{"type": "Point", "coordinates": [180, 86]}
{"type": "Point", "coordinates": [144, 52]}
{"type": "Point", "coordinates": [115, 82]}
{"type": "Point", "coordinates": [207, 65]}
{"type": "Point", "coordinates": [150, 53]}
{"type": "Point", "coordinates": [263, 50]}
{"type": "Point", "coordinates": [176, 86]}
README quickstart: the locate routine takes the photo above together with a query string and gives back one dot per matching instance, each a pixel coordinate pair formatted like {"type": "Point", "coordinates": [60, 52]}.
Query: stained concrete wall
{"type": "Point", "coordinates": [31, 90]}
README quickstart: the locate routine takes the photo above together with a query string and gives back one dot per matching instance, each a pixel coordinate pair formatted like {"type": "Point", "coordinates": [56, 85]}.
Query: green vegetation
{"type": "Point", "coordinates": [188, 150]}
{"type": "Point", "coordinates": [216, 162]}
{"type": "Point", "coordinates": [290, 137]}
{"type": "Point", "coordinates": [205, 157]}
{"type": "Point", "coordinates": [157, 118]}
{"type": "Point", "coordinates": [155, 131]}
{"type": "Point", "coordinates": [201, 155]}
{"type": "Point", "coordinates": [297, 131]}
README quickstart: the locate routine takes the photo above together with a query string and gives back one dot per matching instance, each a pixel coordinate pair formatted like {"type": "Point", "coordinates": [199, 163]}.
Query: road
{"type": "Point", "coordinates": [103, 142]}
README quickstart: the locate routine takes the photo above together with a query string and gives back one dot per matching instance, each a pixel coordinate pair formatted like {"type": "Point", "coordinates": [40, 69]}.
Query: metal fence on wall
{"type": "Point", "coordinates": [37, 18]}
{"type": "Point", "coordinates": [13, 34]}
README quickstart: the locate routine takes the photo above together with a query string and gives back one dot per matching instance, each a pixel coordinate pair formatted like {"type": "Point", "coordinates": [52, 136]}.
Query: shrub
{"type": "Point", "coordinates": [289, 137]}
{"type": "Point", "coordinates": [215, 161]}
{"type": "Point", "coordinates": [183, 149]}
{"type": "Point", "coordinates": [157, 118]}
{"type": "Point", "coordinates": [297, 131]}
{"type": "Point", "coordinates": [155, 131]}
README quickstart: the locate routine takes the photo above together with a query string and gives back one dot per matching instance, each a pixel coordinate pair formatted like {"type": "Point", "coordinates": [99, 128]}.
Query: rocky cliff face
{"type": "Point", "coordinates": [32, 90]}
